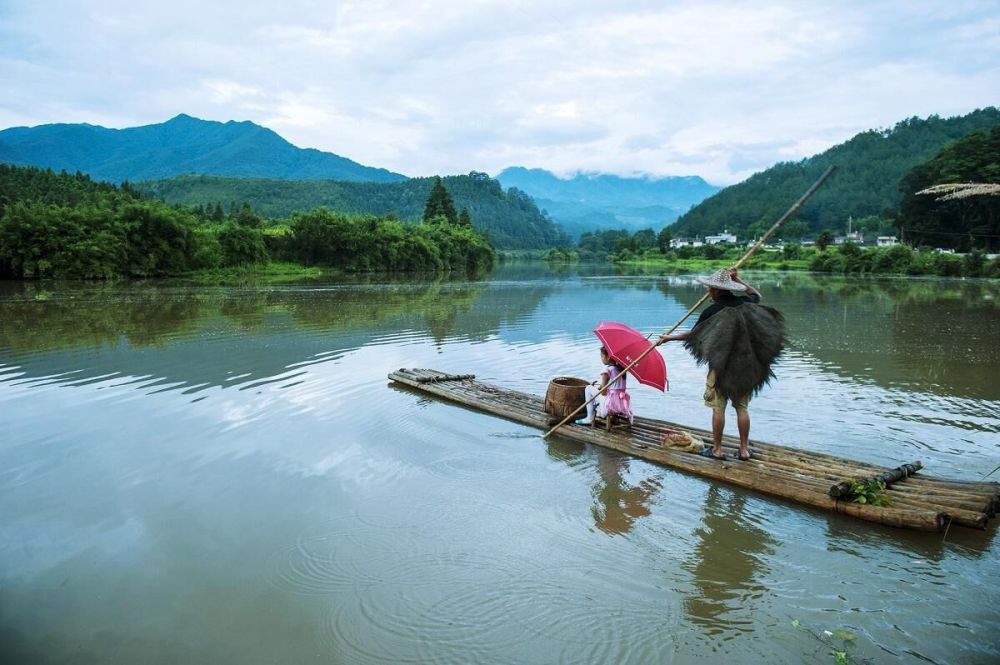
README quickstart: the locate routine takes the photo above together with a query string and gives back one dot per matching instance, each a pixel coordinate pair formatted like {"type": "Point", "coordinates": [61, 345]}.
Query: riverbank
{"type": "Point", "coordinates": [707, 265]}
{"type": "Point", "coordinates": [846, 259]}
{"type": "Point", "coordinates": [273, 271]}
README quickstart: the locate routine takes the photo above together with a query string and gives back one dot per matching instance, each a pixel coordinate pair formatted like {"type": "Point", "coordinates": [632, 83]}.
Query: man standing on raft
{"type": "Point", "coordinates": [738, 339]}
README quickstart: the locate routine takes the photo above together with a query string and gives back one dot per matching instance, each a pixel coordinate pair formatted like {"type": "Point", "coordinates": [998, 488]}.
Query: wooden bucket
{"type": "Point", "coordinates": [564, 395]}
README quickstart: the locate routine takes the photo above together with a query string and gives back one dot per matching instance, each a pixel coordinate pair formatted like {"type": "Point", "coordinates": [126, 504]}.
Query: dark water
{"type": "Point", "coordinates": [223, 474]}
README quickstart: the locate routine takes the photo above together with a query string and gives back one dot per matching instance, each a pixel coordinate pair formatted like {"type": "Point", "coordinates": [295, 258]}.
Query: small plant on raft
{"type": "Point", "coordinates": [871, 492]}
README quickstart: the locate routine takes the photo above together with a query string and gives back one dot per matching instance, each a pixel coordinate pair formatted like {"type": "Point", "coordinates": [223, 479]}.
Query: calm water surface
{"type": "Point", "coordinates": [224, 475]}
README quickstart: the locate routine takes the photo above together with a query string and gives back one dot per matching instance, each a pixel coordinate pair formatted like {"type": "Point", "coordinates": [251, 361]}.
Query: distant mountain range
{"type": "Point", "coordinates": [590, 201]}
{"type": "Point", "coordinates": [182, 145]}
{"type": "Point", "coordinates": [236, 162]}
{"type": "Point", "coordinates": [185, 146]}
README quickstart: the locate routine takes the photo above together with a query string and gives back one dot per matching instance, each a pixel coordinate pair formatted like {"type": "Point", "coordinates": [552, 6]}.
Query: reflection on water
{"type": "Point", "coordinates": [198, 337]}
{"type": "Point", "coordinates": [727, 565]}
{"type": "Point", "coordinates": [618, 504]}
{"type": "Point", "coordinates": [221, 473]}
{"type": "Point", "coordinates": [927, 336]}
{"type": "Point", "coordinates": [915, 335]}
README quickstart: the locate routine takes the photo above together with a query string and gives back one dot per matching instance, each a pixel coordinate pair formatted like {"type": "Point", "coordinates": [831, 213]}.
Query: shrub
{"type": "Point", "coordinates": [947, 265]}
{"type": "Point", "coordinates": [895, 259]}
{"type": "Point", "coordinates": [791, 251]}
{"type": "Point", "coordinates": [241, 245]}
{"type": "Point", "coordinates": [974, 263]}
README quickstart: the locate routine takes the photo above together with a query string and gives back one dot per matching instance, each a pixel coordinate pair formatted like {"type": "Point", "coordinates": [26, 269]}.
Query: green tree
{"type": "Point", "coordinates": [159, 240]}
{"type": "Point", "coordinates": [364, 242]}
{"type": "Point", "coordinates": [321, 237]}
{"type": "Point", "coordinates": [663, 239]}
{"type": "Point", "coordinates": [601, 243]}
{"type": "Point", "coordinates": [247, 218]}
{"type": "Point", "coordinates": [824, 240]}
{"type": "Point", "coordinates": [440, 204]}
{"type": "Point", "coordinates": [794, 230]}
{"type": "Point", "coordinates": [961, 223]}
{"type": "Point", "coordinates": [791, 251]}
{"type": "Point", "coordinates": [241, 245]}
{"type": "Point", "coordinates": [644, 239]}
{"type": "Point", "coordinates": [712, 251]}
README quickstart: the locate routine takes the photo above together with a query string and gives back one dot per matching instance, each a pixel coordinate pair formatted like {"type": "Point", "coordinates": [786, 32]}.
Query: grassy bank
{"type": "Point", "coordinates": [274, 271]}
{"type": "Point", "coordinates": [708, 265]}
{"type": "Point", "coordinates": [847, 259]}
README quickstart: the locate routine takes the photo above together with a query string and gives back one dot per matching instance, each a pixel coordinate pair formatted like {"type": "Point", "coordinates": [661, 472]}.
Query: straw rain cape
{"type": "Point", "coordinates": [740, 344]}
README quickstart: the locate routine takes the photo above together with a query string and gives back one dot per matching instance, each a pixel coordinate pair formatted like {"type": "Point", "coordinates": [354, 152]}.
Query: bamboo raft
{"type": "Point", "coordinates": [815, 479]}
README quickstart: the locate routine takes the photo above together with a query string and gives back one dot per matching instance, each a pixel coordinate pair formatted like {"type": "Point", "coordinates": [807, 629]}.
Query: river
{"type": "Point", "coordinates": [199, 474]}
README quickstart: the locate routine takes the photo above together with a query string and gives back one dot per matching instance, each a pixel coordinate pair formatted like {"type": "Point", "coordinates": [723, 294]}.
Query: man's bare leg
{"type": "Point", "coordinates": [743, 423]}
{"type": "Point", "coordinates": [718, 424]}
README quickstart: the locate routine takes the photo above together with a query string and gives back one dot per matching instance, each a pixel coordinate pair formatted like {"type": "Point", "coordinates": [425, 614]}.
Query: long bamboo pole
{"type": "Point", "coordinates": [749, 253]}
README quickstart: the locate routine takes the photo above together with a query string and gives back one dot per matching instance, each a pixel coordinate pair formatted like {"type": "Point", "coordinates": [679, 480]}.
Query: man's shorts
{"type": "Point", "coordinates": [715, 400]}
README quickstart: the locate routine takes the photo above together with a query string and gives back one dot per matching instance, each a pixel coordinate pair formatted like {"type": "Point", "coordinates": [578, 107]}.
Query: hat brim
{"type": "Point", "coordinates": [725, 286]}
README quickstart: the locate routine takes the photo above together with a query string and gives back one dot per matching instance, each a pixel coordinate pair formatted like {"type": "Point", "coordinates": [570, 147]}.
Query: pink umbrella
{"type": "Point", "coordinates": [625, 344]}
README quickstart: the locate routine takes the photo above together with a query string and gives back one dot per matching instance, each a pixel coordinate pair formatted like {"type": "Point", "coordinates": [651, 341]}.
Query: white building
{"type": "Point", "coordinates": [852, 236]}
{"type": "Point", "coordinates": [886, 241]}
{"type": "Point", "coordinates": [684, 242]}
{"type": "Point", "coordinates": [725, 236]}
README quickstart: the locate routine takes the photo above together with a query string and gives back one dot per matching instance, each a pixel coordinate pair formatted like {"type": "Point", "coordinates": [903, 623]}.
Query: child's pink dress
{"type": "Point", "coordinates": [617, 400]}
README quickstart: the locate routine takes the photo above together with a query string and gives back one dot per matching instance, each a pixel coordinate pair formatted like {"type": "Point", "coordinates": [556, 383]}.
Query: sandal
{"type": "Point", "coordinates": [745, 458]}
{"type": "Point", "coordinates": [707, 452]}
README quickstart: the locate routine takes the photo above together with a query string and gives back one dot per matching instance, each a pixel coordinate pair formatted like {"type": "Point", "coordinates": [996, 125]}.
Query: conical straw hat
{"type": "Point", "coordinates": [722, 279]}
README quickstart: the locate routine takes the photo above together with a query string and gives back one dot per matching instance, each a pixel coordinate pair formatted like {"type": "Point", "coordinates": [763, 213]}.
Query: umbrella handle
{"type": "Point", "coordinates": [753, 250]}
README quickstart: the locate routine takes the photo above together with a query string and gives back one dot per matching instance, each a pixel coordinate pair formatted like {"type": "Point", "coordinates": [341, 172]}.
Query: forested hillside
{"type": "Point", "coordinates": [510, 218]}
{"type": "Point", "coordinates": [181, 145]}
{"type": "Point", "coordinates": [69, 226]}
{"type": "Point", "coordinates": [869, 169]}
{"type": "Point", "coordinates": [962, 222]}
{"type": "Point", "coordinates": [43, 186]}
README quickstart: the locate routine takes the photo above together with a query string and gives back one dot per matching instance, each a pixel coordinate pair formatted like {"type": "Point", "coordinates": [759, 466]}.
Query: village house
{"type": "Point", "coordinates": [685, 242]}
{"type": "Point", "coordinates": [855, 237]}
{"type": "Point", "coordinates": [725, 236]}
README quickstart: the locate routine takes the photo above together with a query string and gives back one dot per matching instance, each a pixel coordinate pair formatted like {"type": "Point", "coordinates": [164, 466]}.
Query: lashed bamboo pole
{"type": "Point", "coordinates": [843, 488]}
{"type": "Point", "coordinates": [753, 250]}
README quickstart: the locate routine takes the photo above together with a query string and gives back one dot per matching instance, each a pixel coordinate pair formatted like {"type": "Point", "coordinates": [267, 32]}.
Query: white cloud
{"type": "Point", "coordinates": [226, 92]}
{"type": "Point", "coordinates": [719, 89]}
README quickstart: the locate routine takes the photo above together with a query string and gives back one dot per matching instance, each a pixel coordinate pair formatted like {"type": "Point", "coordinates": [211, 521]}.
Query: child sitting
{"type": "Point", "coordinates": [614, 399]}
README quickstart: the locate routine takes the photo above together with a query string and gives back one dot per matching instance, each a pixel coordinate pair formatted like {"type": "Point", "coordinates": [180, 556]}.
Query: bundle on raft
{"type": "Point", "coordinates": [912, 501]}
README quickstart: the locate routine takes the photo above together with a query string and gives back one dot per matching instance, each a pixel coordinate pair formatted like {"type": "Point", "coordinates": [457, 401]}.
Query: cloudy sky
{"type": "Point", "coordinates": [716, 89]}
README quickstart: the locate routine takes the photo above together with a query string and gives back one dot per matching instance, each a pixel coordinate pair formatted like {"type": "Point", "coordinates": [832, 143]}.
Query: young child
{"type": "Point", "coordinates": [613, 400]}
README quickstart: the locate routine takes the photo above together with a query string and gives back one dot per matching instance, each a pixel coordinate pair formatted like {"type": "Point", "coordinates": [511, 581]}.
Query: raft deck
{"type": "Point", "coordinates": [915, 501]}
